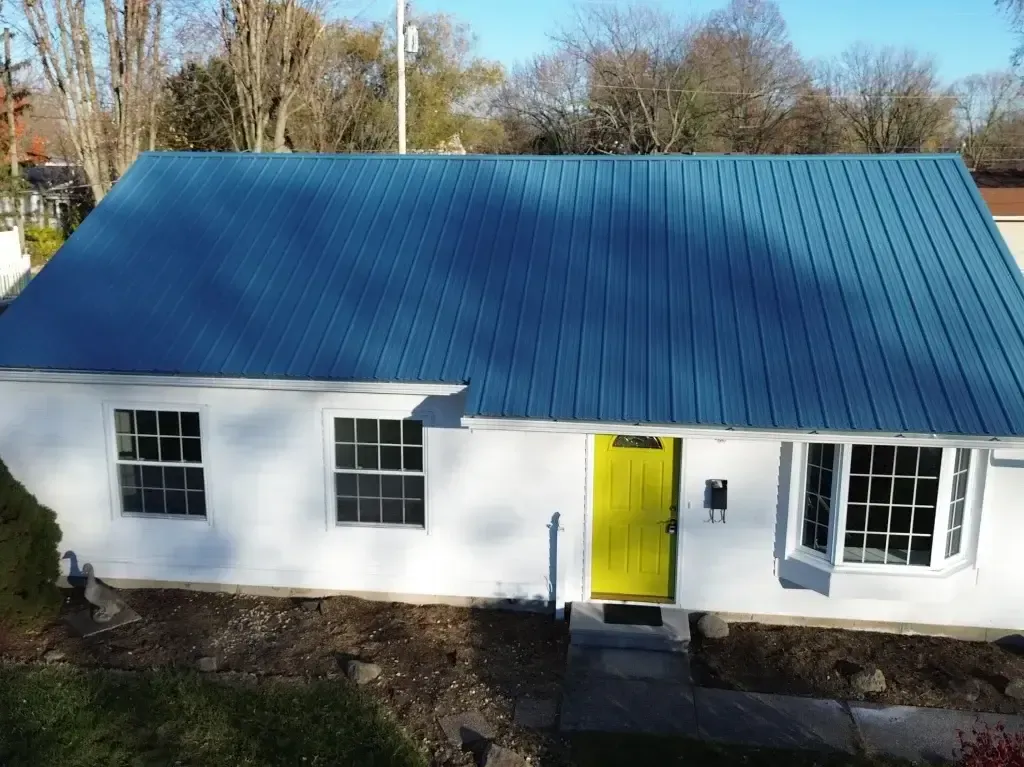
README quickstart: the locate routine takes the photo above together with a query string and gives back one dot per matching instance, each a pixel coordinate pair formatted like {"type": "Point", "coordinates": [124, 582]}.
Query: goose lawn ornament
{"type": "Point", "coordinates": [105, 601]}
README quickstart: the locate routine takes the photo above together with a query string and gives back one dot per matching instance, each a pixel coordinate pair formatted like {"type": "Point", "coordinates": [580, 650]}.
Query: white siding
{"type": "Point", "coordinates": [1012, 229]}
{"type": "Point", "coordinates": [731, 567]}
{"type": "Point", "coordinates": [491, 495]}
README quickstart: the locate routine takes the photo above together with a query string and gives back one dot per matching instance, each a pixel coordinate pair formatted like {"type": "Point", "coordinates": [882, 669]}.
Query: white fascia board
{"type": "Point", "coordinates": [265, 384]}
{"type": "Point", "coordinates": [723, 432]}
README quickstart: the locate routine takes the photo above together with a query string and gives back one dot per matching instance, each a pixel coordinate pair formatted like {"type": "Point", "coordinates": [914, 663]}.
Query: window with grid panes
{"type": "Point", "coordinates": [378, 471]}
{"type": "Point", "coordinates": [889, 509]}
{"type": "Point", "coordinates": [818, 496]}
{"type": "Point", "coordinates": [160, 462]}
{"type": "Point", "coordinates": [891, 503]}
{"type": "Point", "coordinates": [954, 528]}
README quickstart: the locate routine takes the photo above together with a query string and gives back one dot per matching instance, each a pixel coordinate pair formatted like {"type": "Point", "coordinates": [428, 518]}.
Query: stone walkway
{"type": "Point", "coordinates": [648, 692]}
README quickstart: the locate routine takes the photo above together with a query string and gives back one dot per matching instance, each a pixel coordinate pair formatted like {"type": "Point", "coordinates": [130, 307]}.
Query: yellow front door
{"type": "Point", "coordinates": [634, 518]}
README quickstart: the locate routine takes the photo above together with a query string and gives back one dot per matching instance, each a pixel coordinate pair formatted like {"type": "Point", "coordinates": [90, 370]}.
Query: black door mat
{"type": "Point", "coordinates": [632, 615]}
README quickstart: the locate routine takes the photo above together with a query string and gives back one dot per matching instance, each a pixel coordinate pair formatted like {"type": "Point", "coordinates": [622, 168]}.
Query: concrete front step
{"type": "Point", "coordinates": [641, 665]}
{"type": "Point", "coordinates": [587, 628]}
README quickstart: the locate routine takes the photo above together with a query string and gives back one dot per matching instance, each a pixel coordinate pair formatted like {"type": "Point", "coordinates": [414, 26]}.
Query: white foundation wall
{"type": "Point", "coordinates": [490, 500]}
{"type": "Point", "coordinates": [730, 567]}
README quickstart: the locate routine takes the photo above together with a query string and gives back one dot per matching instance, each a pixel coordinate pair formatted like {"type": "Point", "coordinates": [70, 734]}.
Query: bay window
{"type": "Point", "coordinates": [871, 507]}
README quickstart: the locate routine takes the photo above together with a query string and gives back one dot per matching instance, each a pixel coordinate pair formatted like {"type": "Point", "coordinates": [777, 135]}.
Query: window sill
{"type": "Point", "coordinates": [143, 515]}
{"type": "Point", "coordinates": [379, 526]}
{"type": "Point", "coordinates": [896, 583]}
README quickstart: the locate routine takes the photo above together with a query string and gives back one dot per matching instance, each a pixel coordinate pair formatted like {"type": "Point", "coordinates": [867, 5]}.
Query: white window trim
{"type": "Point", "coordinates": [427, 417]}
{"type": "Point", "coordinates": [828, 574]}
{"type": "Point", "coordinates": [110, 433]}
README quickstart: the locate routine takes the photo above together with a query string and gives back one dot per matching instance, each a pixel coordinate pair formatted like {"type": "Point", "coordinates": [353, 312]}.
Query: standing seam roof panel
{"type": "Point", "coordinates": [815, 293]}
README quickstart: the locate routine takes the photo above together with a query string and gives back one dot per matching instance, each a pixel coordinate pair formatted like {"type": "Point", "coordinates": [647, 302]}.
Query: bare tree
{"type": "Point", "coordinates": [756, 73]}
{"type": "Point", "coordinates": [815, 125]}
{"type": "Point", "coordinates": [269, 45]}
{"type": "Point", "coordinates": [646, 93]}
{"type": "Point", "coordinates": [1015, 10]}
{"type": "Point", "coordinates": [345, 86]}
{"type": "Point", "coordinates": [107, 114]}
{"type": "Point", "coordinates": [984, 105]}
{"type": "Point", "coordinates": [890, 100]}
{"type": "Point", "coordinates": [548, 100]}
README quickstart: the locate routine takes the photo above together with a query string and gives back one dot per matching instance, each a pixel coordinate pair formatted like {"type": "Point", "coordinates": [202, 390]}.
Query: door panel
{"type": "Point", "coordinates": [633, 553]}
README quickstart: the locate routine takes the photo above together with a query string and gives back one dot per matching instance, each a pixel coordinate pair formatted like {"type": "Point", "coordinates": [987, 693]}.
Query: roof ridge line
{"type": "Point", "coordinates": [681, 157]}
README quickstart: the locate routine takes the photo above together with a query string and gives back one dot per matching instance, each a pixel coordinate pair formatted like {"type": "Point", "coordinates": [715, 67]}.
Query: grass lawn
{"type": "Point", "coordinates": [63, 715]}
{"type": "Point", "coordinates": [602, 750]}
{"type": "Point", "coordinates": [75, 717]}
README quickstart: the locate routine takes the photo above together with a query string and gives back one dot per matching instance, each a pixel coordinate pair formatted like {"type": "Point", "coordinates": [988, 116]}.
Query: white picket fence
{"type": "Point", "coordinates": [15, 266]}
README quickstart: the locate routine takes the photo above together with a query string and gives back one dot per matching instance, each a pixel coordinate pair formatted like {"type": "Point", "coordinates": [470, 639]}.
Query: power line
{"type": "Point", "coordinates": [889, 94]}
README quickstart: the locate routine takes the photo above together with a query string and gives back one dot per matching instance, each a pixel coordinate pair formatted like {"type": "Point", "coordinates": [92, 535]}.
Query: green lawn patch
{"type": "Point", "coordinates": [604, 750]}
{"type": "Point", "coordinates": [76, 717]}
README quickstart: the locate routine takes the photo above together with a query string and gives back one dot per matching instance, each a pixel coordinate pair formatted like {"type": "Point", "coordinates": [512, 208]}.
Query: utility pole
{"type": "Point", "coordinates": [12, 133]}
{"type": "Point", "coordinates": [401, 75]}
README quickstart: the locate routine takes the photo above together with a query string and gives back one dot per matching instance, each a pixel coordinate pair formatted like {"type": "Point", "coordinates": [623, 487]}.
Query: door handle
{"type": "Point", "coordinates": [671, 526]}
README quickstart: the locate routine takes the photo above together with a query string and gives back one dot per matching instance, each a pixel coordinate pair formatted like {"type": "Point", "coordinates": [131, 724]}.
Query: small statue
{"type": "Point", "coordinates": [105, 601]}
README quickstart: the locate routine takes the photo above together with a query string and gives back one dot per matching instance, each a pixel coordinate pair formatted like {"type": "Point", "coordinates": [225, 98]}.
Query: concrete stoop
{"type": "Point", "coordinates": [588, 628]}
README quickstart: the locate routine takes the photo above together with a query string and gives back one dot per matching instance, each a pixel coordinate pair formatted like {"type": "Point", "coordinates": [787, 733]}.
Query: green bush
{"type": "Point", "coordinates": [42, 242]}
{"type": "Point", "coordinates": [29, 560]}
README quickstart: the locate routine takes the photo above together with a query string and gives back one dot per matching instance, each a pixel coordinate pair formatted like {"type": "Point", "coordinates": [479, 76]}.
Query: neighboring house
{"type": "Point", "coordinates": [50, 196]}
{"type": "Point", "coordinates": [1003, 192]}
{"type": "Point", "coordinates": [762, 385]}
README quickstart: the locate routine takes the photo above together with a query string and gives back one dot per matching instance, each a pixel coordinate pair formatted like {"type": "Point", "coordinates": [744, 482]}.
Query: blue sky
{"type": "Point", "coordinates": [965, 36]}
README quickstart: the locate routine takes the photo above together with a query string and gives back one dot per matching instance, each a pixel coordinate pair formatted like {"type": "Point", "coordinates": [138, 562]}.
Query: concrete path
{"type": "Point", "coordinates": [610, 690]}
{"type": "Point", "coordinates": [920, 734]}
{"type": "Point", "coordinates": [649, 692]}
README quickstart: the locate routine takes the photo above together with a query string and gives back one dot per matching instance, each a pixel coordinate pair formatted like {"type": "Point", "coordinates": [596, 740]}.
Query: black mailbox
{"type": "Point", "coordinates": [719, 491]}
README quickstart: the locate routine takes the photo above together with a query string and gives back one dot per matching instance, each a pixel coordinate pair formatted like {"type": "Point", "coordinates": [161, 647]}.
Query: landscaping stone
{"type": "Point", "coordinates": [208, 664]}
{"type": "Point", "coordinates": [496, 756]}
{"type": "Point", "coordinates": [868, 681]}
{"type": "Point", "coordinates": [1015, 689]}
{"type": "Point", "coordinates": [466, 729]}
{"type": "Point", "coordinates": [361, 672]}
{"type": "Point", "coordinates": [536, 713]}
{"type": "Point", "coordinates": [968, 689]}
{"type": "Point", "coordinates": [53, 656]}
{"type": "Point", "coordinates": [711, 626]}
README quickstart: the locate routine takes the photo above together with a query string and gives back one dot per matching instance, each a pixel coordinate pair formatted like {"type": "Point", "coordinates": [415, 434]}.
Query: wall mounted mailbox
{"type": "Point", "coordinates": [719, 493]}
{"type": "Point", "coordinates": [718, 496]}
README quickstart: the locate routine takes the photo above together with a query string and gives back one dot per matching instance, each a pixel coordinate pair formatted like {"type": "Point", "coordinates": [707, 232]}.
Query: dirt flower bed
{"type": "Point", "coordinates": [919, 671]}
{"type": "Point", "coordinates": [435, 660]}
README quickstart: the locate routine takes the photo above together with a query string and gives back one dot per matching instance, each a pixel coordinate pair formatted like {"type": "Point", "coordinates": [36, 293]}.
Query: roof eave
{"type": "Point", "coordinates": [32, 375]}
{"type": "Point", "coordinates": [743, 433]}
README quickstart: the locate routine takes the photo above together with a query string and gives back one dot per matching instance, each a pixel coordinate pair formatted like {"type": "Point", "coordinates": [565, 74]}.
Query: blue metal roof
{"type": "Point", "coordinates": [841, 293]}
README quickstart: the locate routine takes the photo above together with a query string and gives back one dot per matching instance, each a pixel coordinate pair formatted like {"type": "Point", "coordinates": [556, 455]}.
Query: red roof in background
{"type": "Point", "coordinates": [1003, 190]}
{"type": "Point", "coordinates": [1004, 202]}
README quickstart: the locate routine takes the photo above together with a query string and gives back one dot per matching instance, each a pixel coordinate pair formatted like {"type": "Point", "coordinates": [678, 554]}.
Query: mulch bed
{"type": "Point", "coordinates": [919, 671]}
{"type": "Point", "coordinates": [436, 660]}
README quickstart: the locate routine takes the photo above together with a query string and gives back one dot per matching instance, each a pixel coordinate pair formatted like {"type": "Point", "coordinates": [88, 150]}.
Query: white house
{"type": "Point", "coordinates": [784, 386]}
